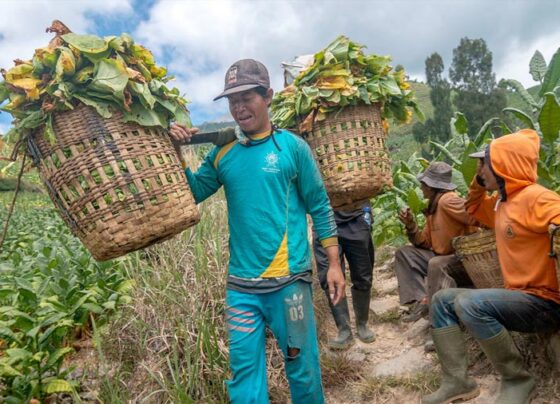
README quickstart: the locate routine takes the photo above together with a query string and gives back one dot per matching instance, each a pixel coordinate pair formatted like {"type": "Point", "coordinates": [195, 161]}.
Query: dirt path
{"type": "Point", "coordinates": [394, 368]}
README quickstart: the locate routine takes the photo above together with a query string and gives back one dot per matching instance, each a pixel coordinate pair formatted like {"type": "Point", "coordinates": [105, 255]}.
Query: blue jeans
{"type": "Point", "coordinates": [289, 314]}
{"type": "Point", "coordinates": [486, 312]}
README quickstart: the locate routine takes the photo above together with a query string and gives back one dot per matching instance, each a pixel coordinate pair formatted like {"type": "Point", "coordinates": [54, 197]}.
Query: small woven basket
{"type": "Point", "coordinates": [349, 147]}
{"type": "Point", "coordinates": [478, 253]}
{"type": "Point", "coordinates": [118, 186]}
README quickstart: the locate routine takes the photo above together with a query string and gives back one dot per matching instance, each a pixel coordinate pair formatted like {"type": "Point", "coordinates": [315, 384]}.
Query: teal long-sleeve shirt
{"type": "Point", "coordinates": [270, 185]}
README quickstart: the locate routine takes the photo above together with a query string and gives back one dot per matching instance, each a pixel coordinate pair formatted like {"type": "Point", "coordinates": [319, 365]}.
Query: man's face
{"type": "Point", "coordinates": [484, 171]}
{"type": "Point", "coordinates": [250, 111]}
{"type": "Point", "coordinates": [426, 190]}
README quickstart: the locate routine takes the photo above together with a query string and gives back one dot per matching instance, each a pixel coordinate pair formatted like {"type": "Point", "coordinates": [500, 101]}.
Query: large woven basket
{"type": "Point", "coordinates": [349, 147]}
{"type": "Point", "coordinates": [118, 186]}
{"type": "Point", "coordinates": [478, 253]}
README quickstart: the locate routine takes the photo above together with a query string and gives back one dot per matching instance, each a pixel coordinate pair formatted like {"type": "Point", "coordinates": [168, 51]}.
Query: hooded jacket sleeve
{"type": "Point", "coordinates": [480, 205]}
{"type": "Point", "coordinates": [312, 191]}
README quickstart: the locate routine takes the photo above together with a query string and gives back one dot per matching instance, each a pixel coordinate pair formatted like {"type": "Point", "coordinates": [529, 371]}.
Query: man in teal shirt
{"type": "Point", "coordinates": [271, 182]}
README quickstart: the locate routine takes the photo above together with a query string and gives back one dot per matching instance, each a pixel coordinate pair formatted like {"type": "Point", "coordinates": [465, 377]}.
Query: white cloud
{"type": "Point", "coordinates": [198, 40]}
{"type": "Point", "coordinates": [23, 23]}
{"type": "Point", "coordinates": [515, 64]}
{"type": "Point", "coordinates": [202, 38]}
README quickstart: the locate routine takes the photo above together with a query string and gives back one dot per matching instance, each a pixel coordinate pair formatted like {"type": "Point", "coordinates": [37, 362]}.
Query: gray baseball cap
{"type": "Point", "coordinates": [437, 175]}
{"type": "Point", "coordinates": [243, 75]}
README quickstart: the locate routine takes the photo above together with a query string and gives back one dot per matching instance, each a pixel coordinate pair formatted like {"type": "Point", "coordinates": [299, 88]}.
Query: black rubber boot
{"type": "Point", "coordinates": [360, 301]}
{"type": "Point", "coordinates": [344, 339]}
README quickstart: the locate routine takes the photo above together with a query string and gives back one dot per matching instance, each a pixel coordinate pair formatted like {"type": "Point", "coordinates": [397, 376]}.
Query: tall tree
{"type": "Point", "coordinates": [475, 84]}
{"type": "Point", "coordinates": [436, 128]}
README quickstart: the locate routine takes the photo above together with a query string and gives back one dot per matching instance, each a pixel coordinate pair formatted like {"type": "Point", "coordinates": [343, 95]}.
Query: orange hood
{"type": "Point", "coordinates": [514, 158]}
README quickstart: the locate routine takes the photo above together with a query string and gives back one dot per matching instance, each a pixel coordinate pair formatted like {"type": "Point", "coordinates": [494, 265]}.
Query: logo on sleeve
{"type": "Point", "coordinates": [509, 232]}
{"type": "Point", "coordinates": [271, 160]}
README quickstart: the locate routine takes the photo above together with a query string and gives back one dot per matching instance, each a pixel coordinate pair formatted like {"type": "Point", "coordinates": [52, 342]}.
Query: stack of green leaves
{"type": "Point", "coordinates": [109, 74]}
{"type": "Point", "coordinates": [342, 75]}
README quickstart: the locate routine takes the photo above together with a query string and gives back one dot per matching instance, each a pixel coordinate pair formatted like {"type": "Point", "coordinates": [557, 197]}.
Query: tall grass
{"type": "Point", "coordinates": [169, 344]}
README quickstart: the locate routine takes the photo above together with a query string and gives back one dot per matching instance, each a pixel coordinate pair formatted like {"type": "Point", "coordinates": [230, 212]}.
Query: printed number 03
{"type": "Point", "coordinates": [296, 313]}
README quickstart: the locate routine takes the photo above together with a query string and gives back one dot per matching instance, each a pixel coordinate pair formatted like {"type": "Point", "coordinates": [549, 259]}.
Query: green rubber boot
{"type": "Point", "coordinates": [360, 301]}
{"type": "Point", "coordinates": [517, 383]}
{"type": "Point", "coordinates": [452, 353]}
{"type": "Point", "coordinates": [344, 339]}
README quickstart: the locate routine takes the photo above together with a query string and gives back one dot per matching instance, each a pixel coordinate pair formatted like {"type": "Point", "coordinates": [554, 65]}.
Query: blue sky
{"type": "Point", "coordinates": [197, 40]}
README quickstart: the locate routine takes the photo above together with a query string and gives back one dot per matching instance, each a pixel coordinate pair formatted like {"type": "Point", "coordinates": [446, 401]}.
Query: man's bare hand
{"type": "Point", "coordinates": [337, 283]}
{"type": "Point", "coordinates": [407, 218]}
{"type": "Point", "coordinates": [180, 134]}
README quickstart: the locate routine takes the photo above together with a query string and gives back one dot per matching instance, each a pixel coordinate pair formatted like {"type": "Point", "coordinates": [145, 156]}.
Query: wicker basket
{"type": "Point", "coordinates": [118, 186]}
{"type": "Point", "coordinates": [349, 147]}
{"type": "Point", "coordinates": [478, 253]}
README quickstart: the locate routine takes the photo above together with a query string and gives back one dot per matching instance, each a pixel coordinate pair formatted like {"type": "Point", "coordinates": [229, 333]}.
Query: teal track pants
{"type": "Point", "coordinates": [288, 312]}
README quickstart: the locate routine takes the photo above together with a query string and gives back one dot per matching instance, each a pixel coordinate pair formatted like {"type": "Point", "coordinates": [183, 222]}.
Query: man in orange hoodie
{"type": "Point", "coordinates": [429, 264]}
{"type": "Point", "coordinates": [520, 213]}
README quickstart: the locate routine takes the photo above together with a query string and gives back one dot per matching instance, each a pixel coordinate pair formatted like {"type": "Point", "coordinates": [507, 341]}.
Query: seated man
{"type": "Point", "coordinates": [520, 213]}
{"type": "Point", "coordinates": [431, 255]}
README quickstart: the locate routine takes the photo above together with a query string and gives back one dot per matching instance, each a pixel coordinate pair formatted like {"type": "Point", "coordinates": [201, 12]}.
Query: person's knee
{"type": "Point", "coordinates": [293, 353]}
{"type": "Point", "coordinates": [466, 305]}
{"type": "Point", "coordinates": [443, 296]}
{"type": "Point", "coordinates": [436, 264]}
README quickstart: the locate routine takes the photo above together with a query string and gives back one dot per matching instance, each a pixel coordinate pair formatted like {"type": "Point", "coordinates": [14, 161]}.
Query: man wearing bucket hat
{"type": "Point", "coordinates": [271, 182]}
{"type": "Point", "coordinates": [520, 212]}
{"type": "Point", "coordinates": [429, 264]}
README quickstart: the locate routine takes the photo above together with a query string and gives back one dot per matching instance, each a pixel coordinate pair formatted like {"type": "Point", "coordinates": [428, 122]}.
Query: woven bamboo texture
{"type": "Point", "coordinates": [118, 186]}
{"type": "Point", "coordinates": [349, 147]}
{"type": "Point", "coordinates": [478, 253]}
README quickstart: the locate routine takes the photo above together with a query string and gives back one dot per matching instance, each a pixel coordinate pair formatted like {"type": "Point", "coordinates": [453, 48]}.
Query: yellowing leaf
{"type": "Point", "coordinates": [58, 386]}
{"type": "Point", "coordinates": [46, 56]}
{"type": "Point", "coordinates": [66, 63]}
{"type": "Point", "coordinates": [33, 94]}
{"type": "Point", "coordinates": [332, 83]}
{"type": "Point", "coordinates": [158, 72]}
{"type": "Point", "coordinates": [27, 83]}
{"type": "Point", "coordinates": [19, 72]}
{"type": "Point", "coordinates": [143, 54]}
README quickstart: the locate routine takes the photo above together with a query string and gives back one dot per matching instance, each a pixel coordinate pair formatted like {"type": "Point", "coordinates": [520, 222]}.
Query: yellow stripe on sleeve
{"type": "Point", "coordinates": [327, 242]}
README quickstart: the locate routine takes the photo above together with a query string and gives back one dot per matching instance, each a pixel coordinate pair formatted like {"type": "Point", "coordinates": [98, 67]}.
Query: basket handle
{"type": "Point", "coordinates": [454, 242]}
{"type": "Point", "coordinates": [554, 229]}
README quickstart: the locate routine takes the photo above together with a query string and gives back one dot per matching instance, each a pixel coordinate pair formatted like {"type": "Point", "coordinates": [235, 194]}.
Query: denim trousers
{"type": "Point", "coordinates": [486, 312]}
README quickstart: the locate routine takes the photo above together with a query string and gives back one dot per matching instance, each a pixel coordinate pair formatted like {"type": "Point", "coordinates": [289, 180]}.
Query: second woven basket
{"type": "Point", "coordinates": [349, 147]}
{"type": "Point", "coordinates": [478, 253]}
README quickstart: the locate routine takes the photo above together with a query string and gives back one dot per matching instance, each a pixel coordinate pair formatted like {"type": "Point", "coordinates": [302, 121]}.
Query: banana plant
{"type": "Point", "coordinates": [405, 192]}
{"type": "Point", "coordinates": [457, 149]}
{"type": "Point", "coordinates": [542, 113]}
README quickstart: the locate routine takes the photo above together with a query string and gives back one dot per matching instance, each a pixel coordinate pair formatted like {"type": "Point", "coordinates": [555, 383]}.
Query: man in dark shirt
{"type": "Point", "coordinates": [355, 244]}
